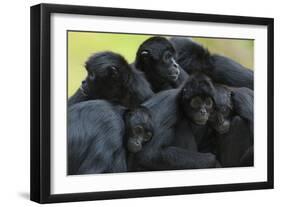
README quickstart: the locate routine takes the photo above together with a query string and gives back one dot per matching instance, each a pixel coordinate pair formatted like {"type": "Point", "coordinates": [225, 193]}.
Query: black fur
{"type": "Point", "coordinates": [237, 101]}
{"type": "Point", "coordinates": [95, 131]}
{"type": "Point", "coordinates": [243, 101]}
{"type": "Point", "coordinates": [235, 148]}
{"type": "Point", "coordinates": [101, 136]}
{"type": "Point", "coordinates": [110, 78]}
{"type": "Point", "coordinates": [230, 72]}
{"type": "Point", "coordinates": [194, 57]}
{"type": "Point", "coordinates": [99, 130]}
{"type": "Point", "coordinates": [175, 142]}
{"type": "Point", "coordinates": [234, 125]}
{"type": "Point", "coordinates": [150, 59]}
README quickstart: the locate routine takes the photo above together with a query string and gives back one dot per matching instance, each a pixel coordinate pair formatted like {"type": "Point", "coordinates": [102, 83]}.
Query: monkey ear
{"type": "Point", "coordinates": [145, 53]}
{"type": "Point", "coordinates": [143, 58]}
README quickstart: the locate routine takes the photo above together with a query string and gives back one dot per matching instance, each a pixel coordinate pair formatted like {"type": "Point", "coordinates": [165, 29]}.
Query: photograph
{"type": "Point", "coordinates": [130, 103]}
{"type": "Point", "coordinates": [139, 102]}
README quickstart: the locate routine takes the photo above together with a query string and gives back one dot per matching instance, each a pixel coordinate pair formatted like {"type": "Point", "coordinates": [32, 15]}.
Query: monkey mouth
{"type": "Point", "coordinates": [133, 147]}
{"type": "Point", "coordinates": [200, 121]}
{"type": "Point", "coordinates": [173, 77]}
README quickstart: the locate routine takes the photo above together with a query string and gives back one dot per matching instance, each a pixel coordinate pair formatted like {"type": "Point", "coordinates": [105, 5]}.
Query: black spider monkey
{"type": "Point", "coordinates": [110, 77]}
{"type": "Point", "coordinates": [193, 57]}
{"type": "Point", "coordinates": [156, 58]}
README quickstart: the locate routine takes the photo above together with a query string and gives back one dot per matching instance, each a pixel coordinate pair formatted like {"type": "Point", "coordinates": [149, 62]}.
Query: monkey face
{"type": "Point", "coordinates": [220, 119]}
{"type": "Point", "coordinates": [139, 129]}
{"type": "Point", "coordinates": [198, 109]}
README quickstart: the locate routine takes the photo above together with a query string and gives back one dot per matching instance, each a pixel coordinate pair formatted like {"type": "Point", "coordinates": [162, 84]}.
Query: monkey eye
{"type": "Point", "coordinates": [209, 102]}
{"type": "Point", "coordinates": [138, 129]}
{"type": "Point", "coordinates": [147, 136]}
{"type": "Point", "coordinates": [167, 56]}
{"type": "Point", "coordinates": [196, 102]}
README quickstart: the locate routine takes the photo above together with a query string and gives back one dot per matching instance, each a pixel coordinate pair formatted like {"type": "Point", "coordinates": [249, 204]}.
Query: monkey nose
{"type": "Point", "coordinates": [138, 142]}
{"type": "Point", "coordinates": [203, 111]}
{"type": "Point", "coordinates": [175, 65]}
{"type": "Point", "coordinates": [175, 72]}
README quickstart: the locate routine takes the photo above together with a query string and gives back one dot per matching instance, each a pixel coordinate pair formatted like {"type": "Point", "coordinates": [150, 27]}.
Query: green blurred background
{"type": "Point", "coordinates": [82, 44]}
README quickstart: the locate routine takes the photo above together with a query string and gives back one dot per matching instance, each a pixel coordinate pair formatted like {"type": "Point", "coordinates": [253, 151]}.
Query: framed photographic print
{"type": "Point", "coordinates": [133, 103]}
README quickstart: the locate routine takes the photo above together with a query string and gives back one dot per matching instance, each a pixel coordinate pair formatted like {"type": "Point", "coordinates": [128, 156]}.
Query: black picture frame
{"type": "Point", "coordinates": [41, 99]}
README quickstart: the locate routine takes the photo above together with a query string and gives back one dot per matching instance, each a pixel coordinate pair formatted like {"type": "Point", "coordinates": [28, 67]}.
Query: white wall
{"type": "Point", "coordinates": [14, 110]}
